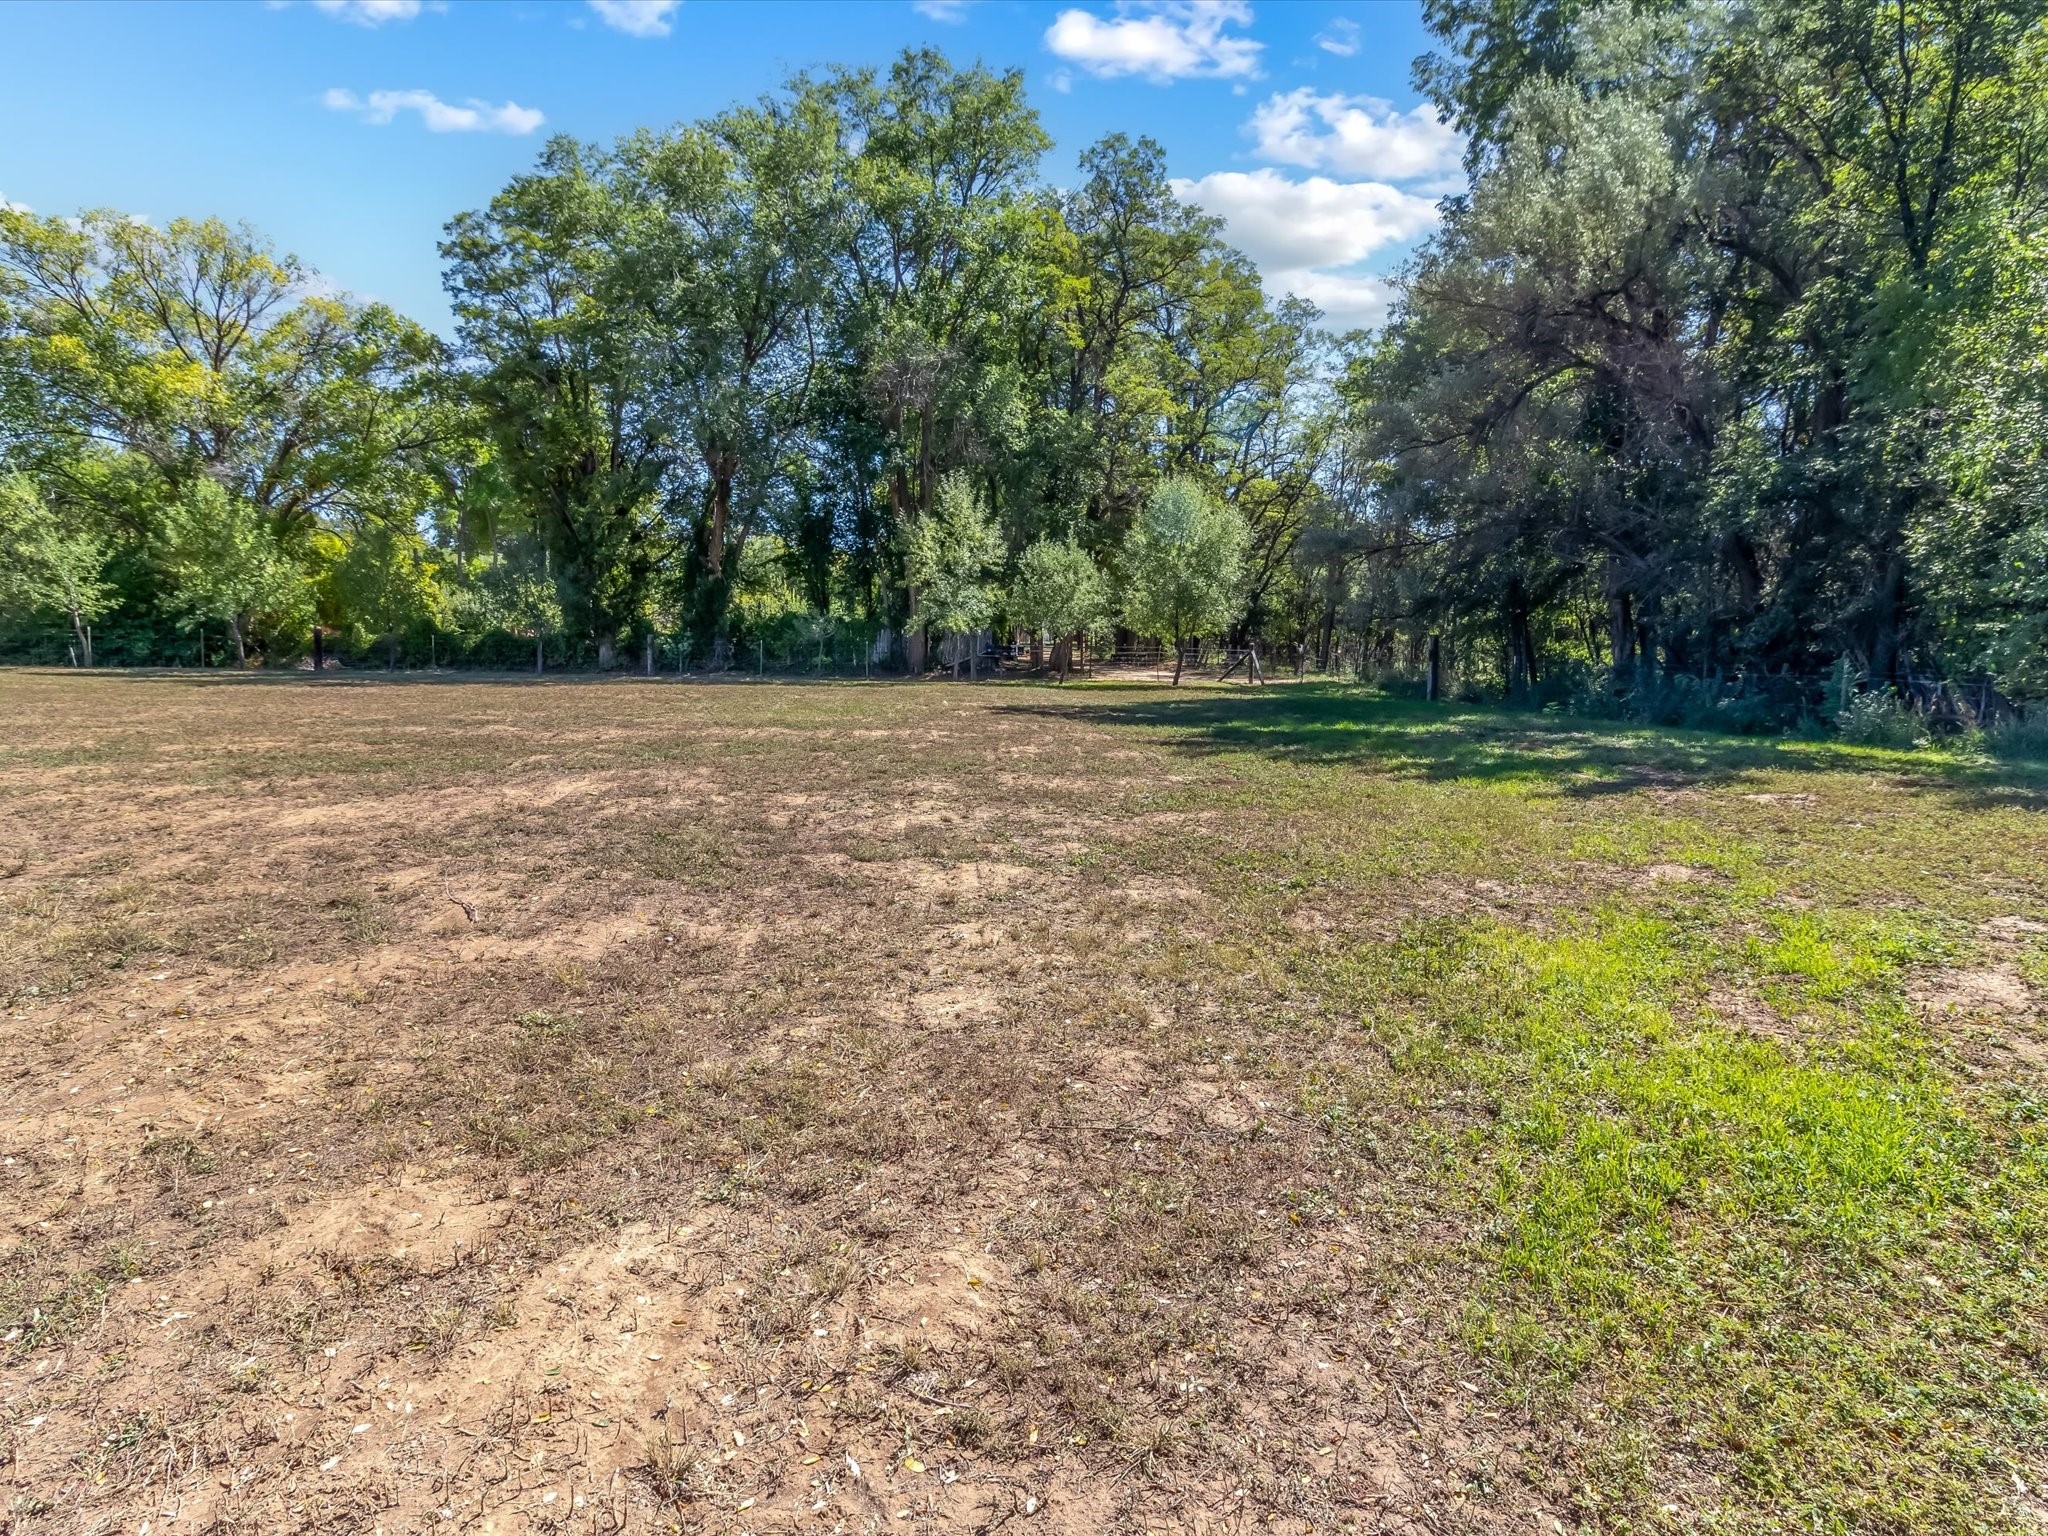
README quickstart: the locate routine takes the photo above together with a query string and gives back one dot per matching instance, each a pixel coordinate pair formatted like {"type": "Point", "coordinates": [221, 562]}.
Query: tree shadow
{"type": "Point", "coordinates": [1318, 724]}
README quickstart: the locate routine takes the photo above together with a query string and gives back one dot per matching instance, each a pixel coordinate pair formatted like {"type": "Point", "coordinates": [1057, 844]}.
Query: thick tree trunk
{"type": "Point", "coordinates": [1179, 655]}
{"type": "Point", "coordinates": [606, 653]}
{"type": "Point", "coordinates": [80, 629]}
{"type": "Point", "coordinates": [241, 650]}
{"type": "Point", "coordinates": [540, 654]}
{"type": "Point", "coordinates": [721, 515]}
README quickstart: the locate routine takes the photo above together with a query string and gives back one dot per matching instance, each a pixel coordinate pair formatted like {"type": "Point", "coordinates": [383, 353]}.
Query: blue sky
{"type": "Point", "coordinates": [350, 131]}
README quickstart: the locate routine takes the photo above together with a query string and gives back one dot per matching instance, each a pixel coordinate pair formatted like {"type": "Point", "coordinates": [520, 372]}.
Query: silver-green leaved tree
{"type": "Point", "coordinates": [1059, 589]}
{"type": "Point", "coordinates": [1182, 562]}
{"type": "Point", "coordinates": [48, 566]}
{"type": "Point", "coordinates": [950, 557]}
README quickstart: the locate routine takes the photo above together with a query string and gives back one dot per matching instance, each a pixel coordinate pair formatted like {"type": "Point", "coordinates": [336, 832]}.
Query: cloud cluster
{"type": "Point", "coordinates": [1159, 40]}
{"type": "Point", "coordinates": [1304, 234]}
{"type": "Point", "coordinates": [1357, 135]}
{"type": "Point", "coordinates": [942, 10]}
{"type": "Point", "coordinates": [437, 115]}
{"type": "Point", "coordinates": [637, 18]}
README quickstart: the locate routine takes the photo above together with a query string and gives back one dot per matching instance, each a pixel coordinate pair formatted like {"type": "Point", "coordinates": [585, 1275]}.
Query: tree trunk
{"type": "Point", "coordinates": [1621, 633]}
{"type": "Point", "coordinates": [84, 634]}
{"type": "Point", "coordinates": [241, 650]}
{"type": "Point", "coordinates": [606, 653]}
{"type": "Point", "coordinates": [540, 653]}
{"type": "Point", "coordinates": [1179, 655]}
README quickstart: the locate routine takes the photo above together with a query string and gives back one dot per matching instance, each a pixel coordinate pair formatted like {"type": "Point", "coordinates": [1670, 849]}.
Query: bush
{"type": "Point", "coordinates": [1656, 698]}
{"type": "Point", "coordinates": [2023, 738]}
{"type": "Point", "coordinates": [1877, 720]}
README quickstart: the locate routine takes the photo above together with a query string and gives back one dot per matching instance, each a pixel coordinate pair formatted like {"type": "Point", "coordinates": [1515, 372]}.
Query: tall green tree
{"type": "Point", "coordinates": [938, 261]}
{"type": "Point", "coordinates": [731, 231]}
{"type": "Point", "coordinates": [570, 373]}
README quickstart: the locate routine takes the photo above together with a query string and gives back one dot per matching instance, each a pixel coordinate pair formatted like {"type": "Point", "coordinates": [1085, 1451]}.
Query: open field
{"type": "Point", "coordinates": [582, 1106]}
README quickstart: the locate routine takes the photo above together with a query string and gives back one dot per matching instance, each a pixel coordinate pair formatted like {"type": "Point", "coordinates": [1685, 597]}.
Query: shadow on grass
{"type": "Point", "coordinates": [1329, 724]}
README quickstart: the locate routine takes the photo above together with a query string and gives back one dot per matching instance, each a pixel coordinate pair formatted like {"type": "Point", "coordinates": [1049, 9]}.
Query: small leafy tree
{"type": "Point", "coordinates": [1060, 590]}
{"type": "Point", "coordinates": [948, 556]}
{"type": "Point", "coordinates": [47, 565]}
{"type": "Point", "coordinates": [1183, 559]}
{"type": "Point", "coordinates": [227, 563]}
{"type": "Point", "coordinates": [385, 583]}
{"type": "Point", "coordinates": [519, 597]}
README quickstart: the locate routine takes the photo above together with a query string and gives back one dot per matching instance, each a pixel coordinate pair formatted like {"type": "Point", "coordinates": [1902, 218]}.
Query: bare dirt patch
{"type": "Point", "coordinates": [600, 1108]}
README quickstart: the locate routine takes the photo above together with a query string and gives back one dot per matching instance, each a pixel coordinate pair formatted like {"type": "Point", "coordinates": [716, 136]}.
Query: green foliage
{"type": "Point", "coordinates": [1730, 361]}
{"type": "Point", "coordinates": [1060, 590]}
{"type": "Point", "coordinates": [227, 565]}
{"type": "Point", "coordinates": [1182, 564]}
{"type": "Point", "coordinates": [47, 566]}
{"type": "Point", "coordinates": [385, 582]}
{"type": "Point", "coordinates": [1877, 720]}
{"type": "Point", "coordinates": [950, 557]}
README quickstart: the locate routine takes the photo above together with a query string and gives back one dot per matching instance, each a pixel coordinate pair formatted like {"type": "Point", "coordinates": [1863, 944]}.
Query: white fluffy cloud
{"type": "Point", "coordinates": [942, 10]}
{"type": "Point", "coordinates": [472, 116]}
{"type": "Point", "coordinates": [1357, 135]}
{"type": "Point", "coordinates": [369, 13]}
{"type": "Point", "coordinates": [1159, 40]}
{"type": "Point", "coordinates": [8, 206]}
{"type": "Point", "coordinates": [1315, 222]}
{"type": "Point", "coordinates": [1308, 236]}
{"type": "Point", "coordinates": [637, 18]}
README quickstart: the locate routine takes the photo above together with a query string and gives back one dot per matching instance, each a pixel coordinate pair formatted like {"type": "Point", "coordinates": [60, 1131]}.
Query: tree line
{"type": "Point", "coordinates": [838, 353]}
{"type": "Point", "coordinates": [1732, 362]}
{"type": "Point", "coordinates": [1727, 370]}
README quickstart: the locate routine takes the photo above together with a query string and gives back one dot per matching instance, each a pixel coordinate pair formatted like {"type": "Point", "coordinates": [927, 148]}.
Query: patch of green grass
{"type": "Point", "coordinates": [1814, 1265]}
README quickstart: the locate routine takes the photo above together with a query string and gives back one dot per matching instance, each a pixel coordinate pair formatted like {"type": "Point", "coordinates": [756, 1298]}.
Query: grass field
{"type": "Point", "coordinates": [600, 1106]}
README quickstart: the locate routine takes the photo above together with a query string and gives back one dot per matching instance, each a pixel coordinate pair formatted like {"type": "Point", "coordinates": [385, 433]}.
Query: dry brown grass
{"type": "Point", "coordinates": [623, 1107]}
